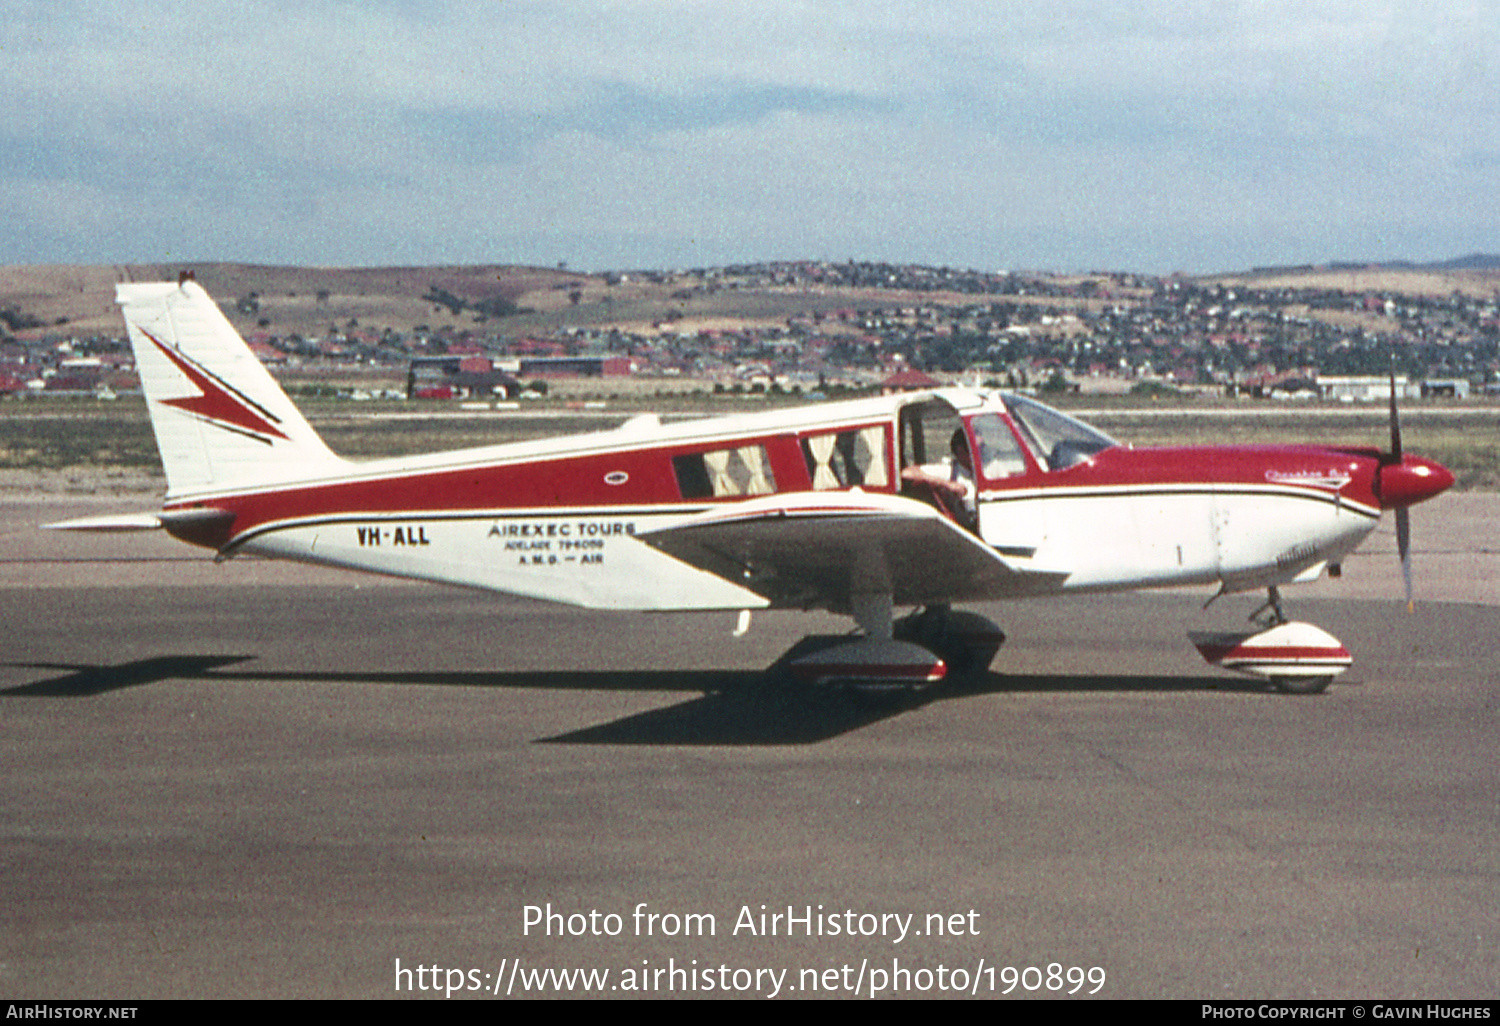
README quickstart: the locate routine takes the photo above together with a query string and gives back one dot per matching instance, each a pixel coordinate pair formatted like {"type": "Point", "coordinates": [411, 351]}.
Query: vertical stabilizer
{"type": "Point", "coordinates": [220, 418]}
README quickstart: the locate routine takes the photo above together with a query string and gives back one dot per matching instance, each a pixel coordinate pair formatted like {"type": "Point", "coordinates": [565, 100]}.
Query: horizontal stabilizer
{"type": "Point", "coordinates": [111, 522]}
{"type": "Point", "coordinates": [198, 526]}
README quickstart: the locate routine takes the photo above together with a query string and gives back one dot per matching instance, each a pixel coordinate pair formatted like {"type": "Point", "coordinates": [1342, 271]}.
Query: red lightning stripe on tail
{"type": "Point", "coordinates": [220, 403]}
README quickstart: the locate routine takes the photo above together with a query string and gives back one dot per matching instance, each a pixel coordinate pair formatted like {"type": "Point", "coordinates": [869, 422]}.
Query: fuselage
{"type": "Point", "coordinates": [558, 519]}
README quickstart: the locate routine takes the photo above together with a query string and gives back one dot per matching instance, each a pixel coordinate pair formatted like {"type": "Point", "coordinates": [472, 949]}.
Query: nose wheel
{"type": "Point", "coordinates": [1304, 685]}
{"type": "Point", "coordinates": [1298, 658]}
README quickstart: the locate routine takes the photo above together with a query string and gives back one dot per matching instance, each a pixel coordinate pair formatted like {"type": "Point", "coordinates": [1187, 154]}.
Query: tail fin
{"type": "Point", "coordinates": [220, 418]}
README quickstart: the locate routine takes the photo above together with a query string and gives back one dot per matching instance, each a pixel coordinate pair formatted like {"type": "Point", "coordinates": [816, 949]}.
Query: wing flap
{"type": "Point", "coordinates": [816, 549]}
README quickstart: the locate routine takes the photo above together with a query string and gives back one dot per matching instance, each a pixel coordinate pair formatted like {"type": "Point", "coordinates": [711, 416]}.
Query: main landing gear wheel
{"type": "Point", "coordinates": [967, 641]}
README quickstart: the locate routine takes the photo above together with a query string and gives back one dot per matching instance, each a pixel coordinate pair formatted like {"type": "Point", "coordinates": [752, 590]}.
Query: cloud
{"type": "Point", "coordinates": [1158, 134]}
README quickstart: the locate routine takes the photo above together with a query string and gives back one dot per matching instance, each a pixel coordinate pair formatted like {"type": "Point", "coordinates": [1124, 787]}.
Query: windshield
{"type": "Point", "coordinates": [1058, 440]}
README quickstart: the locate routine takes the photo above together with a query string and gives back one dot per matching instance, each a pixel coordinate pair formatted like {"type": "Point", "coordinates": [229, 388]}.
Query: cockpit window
{"type": "Point", "coordinates": [1058, 440]}
{"type": "Point", "coordinates": [999, 452]}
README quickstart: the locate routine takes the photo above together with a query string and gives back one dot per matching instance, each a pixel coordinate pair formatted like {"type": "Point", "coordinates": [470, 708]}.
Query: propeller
{"type": "Point", "coordinates": [1401, 482]}
{"type": "Point", "coordinates": [1403, 549]}
{"type": "Point", "coordinates": [1403, 513]}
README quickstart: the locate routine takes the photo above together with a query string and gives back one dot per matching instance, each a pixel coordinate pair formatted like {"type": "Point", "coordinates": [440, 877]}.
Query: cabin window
{"type": "Point", "coordinates": [692, 476]}
{"type": "Point", "coordinates": [927, 432]}
{"type": "Point", "coordinates": [847, 459]}
{"type": "Point", "coordinates": [724, 472]}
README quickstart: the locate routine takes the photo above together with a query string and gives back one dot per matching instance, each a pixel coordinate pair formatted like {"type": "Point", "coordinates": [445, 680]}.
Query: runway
{"type": "Point", "coordinates": [253, 780]}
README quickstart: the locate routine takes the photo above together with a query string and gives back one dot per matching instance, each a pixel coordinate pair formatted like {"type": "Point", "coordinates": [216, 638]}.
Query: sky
{"type": "Point", "coordinates": [1133, 135]}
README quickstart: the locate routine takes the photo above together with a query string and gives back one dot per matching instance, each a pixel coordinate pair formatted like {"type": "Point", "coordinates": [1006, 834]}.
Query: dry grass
{"type": "Point", "coordinates": [1358, 281]}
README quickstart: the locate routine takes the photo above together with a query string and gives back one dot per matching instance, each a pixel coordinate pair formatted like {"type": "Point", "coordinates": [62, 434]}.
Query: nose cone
{"type": "Point", "coordinates": [1411, 481]}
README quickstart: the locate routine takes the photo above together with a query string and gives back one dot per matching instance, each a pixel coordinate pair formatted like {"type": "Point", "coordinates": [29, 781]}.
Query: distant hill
{"type": "Point", "coordinates": [297, 299]}
{"type": "Point", "coordinates": [1476, 275]}
{"type": "Point", "coordinates": [516, 300]}
{"type": "Point", "coordinates": [511, 299]}
{"type": "Point", "coordinates": [1472, 262]}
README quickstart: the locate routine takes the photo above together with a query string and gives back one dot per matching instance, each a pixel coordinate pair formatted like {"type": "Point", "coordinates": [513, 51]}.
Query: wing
{"type": "Point", "coordinates": [815, 549]}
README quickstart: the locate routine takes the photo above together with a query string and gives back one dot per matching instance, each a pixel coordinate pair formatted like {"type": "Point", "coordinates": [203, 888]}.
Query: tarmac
{"type": "Point", "coordinates": [259, 780]}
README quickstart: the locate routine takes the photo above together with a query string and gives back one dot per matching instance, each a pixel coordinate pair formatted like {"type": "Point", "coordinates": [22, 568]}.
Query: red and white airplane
{"type": "Point", "coordinates": [860, 507]}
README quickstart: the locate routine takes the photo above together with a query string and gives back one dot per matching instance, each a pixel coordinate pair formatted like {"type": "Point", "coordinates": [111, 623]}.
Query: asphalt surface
{"type": "Point", "coordinates": [253, 780]}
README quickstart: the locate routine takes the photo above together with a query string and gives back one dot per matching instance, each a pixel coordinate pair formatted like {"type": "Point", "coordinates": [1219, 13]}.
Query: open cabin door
{"type": "Point", "coordinates": [938, 457]}
{"type": "Point", "coordinates": [1012, 515]}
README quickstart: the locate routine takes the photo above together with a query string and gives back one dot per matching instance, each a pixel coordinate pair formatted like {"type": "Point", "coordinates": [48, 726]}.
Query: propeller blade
{"type": "Point", "coordinates": [1403, 549]}
{"type": "Point", "coordinates": [1395, 454]}
{"type": "Point", "coordinates": [1395, 460]}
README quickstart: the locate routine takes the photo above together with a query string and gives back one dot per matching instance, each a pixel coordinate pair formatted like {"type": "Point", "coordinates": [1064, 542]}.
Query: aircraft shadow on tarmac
{"type": "Point", "coordinates": [732, 707]}
{"type": "Point", "coordinates": [82, 681]}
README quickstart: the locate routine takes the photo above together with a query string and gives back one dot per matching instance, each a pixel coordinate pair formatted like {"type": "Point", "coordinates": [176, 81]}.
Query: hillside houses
{"type": "Point", "coordinates": [1097, 332]}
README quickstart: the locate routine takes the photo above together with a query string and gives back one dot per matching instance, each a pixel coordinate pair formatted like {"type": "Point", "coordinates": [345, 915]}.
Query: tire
{"type": "Point", "coordinates": [1304, 685]}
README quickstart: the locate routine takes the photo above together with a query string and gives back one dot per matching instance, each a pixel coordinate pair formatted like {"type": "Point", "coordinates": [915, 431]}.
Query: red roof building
{"type": "Point", "coordinates": [910, 381]}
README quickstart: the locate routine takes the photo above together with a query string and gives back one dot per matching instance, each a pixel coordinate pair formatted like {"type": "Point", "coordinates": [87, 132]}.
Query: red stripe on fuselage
{"type": "Point", "coordinates": [494, 483]}
{"type": "Point", "coordinates": [538, 483]}
{"type": "Point", "coordinates": [1348, 473]}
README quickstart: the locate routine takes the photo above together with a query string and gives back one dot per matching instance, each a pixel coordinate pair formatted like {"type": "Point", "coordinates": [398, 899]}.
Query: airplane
{"type": "Point", "coordinates": [860, 507]}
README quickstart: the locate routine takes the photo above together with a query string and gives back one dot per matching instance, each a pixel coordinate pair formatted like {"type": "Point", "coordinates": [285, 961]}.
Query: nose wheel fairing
{"type": "Point", "coordinates": [1297, 657]}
